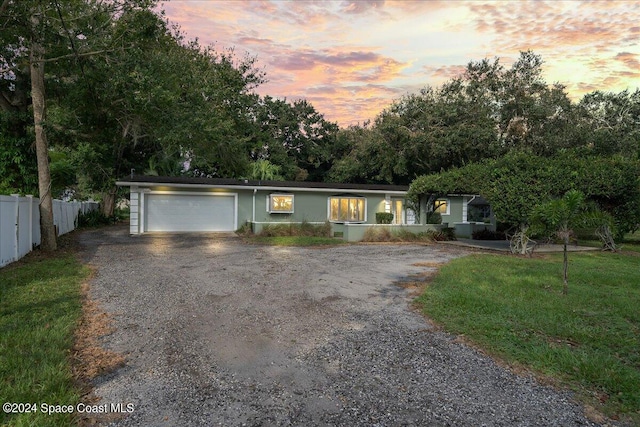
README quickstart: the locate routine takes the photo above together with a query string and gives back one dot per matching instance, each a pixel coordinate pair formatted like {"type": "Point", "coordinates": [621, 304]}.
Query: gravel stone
{"type": "Point", "coordinates": [220, 332]}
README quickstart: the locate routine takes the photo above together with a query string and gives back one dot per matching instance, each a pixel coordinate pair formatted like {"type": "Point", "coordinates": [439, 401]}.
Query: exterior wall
{"type": "Point", "coordinates": [455, 210]}
{"type": "Point", "coordinates": [312, 207]}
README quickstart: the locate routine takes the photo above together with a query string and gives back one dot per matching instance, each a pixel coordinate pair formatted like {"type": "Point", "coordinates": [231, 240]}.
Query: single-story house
{"type": "Point", "coordinates": [185, 204]}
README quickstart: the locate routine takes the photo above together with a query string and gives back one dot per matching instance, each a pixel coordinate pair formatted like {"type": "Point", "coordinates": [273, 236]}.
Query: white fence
{"type": "Point", "coordinates": [20, 223]}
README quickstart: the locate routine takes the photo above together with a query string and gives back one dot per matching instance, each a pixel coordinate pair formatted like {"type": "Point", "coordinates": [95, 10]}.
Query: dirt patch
{"type": "Point", "coordinates": [89, 359]}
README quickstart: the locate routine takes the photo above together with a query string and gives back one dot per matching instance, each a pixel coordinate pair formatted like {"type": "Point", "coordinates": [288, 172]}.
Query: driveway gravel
{"type": "Point", "coordinates": [220, 332]}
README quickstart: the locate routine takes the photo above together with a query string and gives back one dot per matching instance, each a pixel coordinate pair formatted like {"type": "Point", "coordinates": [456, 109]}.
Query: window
{"type": "Point", "coordinates": [479, 213]}
{"type": "Point", "coordinates": [347, 209]}
{"type": "Point", "coordinates": [396, 209]}
{"type": "Point", "coordinates": [281, 203]}
{"type": "Point", "coordinates": [441, 206]}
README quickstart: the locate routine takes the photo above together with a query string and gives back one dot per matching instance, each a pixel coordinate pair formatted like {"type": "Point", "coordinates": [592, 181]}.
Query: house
{"type": "Point", "coordinates": [185, 204]}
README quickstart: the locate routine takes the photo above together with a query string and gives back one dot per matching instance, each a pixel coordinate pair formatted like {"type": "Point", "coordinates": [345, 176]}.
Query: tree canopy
{"type": "Point", "coordinates": [517, 182]}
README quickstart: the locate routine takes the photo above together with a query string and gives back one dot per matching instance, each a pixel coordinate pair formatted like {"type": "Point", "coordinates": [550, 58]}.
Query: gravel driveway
{"type": "Point", "coordinates": [219, 332]}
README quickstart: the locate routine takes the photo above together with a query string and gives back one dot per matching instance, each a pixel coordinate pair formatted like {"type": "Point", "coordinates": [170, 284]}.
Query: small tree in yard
{"type": "Point", "coordinates": [561, 217]}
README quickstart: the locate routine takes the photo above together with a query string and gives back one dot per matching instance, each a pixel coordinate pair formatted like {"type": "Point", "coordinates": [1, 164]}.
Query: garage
{"type": "Point", "coordinates": [190, 212]}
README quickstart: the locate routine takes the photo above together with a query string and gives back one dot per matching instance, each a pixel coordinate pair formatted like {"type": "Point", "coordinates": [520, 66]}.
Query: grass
{"type": "Point", "coordinates": [630, 243]}
{"type": "Point", "coordinates": [588, 340]}
{"type": "Point", "coordinates": [385, 234]}
{"type": "Point", "coordinates": [297, 240]}
{"type": "Point", "coordinates": [40, 306]}
{"type": "Point", "coordinates": [302, 234]}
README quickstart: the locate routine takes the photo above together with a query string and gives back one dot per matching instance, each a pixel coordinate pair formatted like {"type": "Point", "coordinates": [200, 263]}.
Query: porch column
{"type": "Point", "coordinates": [423, 209]}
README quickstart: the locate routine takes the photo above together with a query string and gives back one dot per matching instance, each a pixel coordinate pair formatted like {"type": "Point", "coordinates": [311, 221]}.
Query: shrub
{"type": "Point", "coordinates": [244, 230]}
{"type": "Point", "coordinates": [94, 218]}
{"type": "Point", "coordinates": [434, 218]}
{"type": "Point", "coordinates": [377, 234]}
{"type": "Point", "coordinates": [449, 233]}
{"type": "Point", "coordinates": [486, 234]}
{"type": "Point", "coordinates": [384, 217]}
{"type": "Point", "coordinates": [384, 234]}
{"type": "Point", "coordinates": [302, 229]}
{"type": "Point", "coordinates": [442, 235]}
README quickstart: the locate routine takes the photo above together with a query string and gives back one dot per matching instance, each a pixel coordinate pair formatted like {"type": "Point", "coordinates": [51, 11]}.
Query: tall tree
{"type": "Point", "coordinates": [611, 122]}
{"type": "Point", "coordinates": [40, 33]}
{"type": "Point", "coordinates": [293, 136]}
{"type": "Point", "coordinates": [157, 103]}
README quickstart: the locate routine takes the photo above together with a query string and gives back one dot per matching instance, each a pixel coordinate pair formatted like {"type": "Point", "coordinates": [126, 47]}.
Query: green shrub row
{"type": "Point", "coordinates": [303, 229]}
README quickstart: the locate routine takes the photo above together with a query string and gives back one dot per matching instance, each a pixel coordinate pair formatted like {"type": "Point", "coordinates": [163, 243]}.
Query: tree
{"type": "Point", "coordinates": [265, 171]}
{"type": "Point", "coordinates": [611, 122]}
{"type": "Point", "coordinates": [293, 136]}
{"type": "Point", "coordinates": [157, 103]}
{"type": "Point", "coordinates": [39, 33]}
{"type": "Point", "coordinates": [562, 217]}
{"type": "Point", "coordinates": [519, 181]}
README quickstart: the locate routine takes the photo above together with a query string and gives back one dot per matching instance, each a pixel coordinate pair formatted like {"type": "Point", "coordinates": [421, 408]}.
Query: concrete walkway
{"type": "Point", "coordinates": [503, 246]}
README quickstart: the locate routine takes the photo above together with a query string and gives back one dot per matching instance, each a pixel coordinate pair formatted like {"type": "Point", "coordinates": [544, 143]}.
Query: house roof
{"type": "Point", "coordinates": [183, 181]}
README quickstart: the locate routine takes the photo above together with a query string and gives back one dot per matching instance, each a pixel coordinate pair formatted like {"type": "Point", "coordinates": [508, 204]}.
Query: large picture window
{"type": "Point", "coordinates": [281, 203]}
{"type": "Point", "coordinates": [347, 209]}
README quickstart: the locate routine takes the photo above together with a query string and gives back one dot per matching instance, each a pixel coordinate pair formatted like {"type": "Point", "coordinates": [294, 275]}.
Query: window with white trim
{"type": "Point", "coordinates": [442, 207]}
{"type": "Point", "coordinates": [347, 209]}
{"type": "Point", "coordinates": [281, 203]}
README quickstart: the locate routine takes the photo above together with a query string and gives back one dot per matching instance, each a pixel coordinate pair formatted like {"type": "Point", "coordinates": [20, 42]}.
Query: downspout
{"type": "Point", "coordinates": [253, 214]}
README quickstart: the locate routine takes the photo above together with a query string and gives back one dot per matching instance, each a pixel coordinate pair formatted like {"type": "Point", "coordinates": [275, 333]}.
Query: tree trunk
{"type": "Point", "coordinates": [109, 202]}
{"type": "Point", "coordinates": [565, 285]}
{"type": "Point", "coordinates": [47, 230]}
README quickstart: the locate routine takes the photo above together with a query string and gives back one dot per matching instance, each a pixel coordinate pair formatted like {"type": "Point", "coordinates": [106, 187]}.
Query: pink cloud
{"type": "Point", "coordinates": [352, 58]}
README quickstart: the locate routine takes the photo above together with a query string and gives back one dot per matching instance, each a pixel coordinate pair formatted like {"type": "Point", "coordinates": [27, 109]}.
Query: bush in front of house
{"type": "Point", "coordinates": [384, 234]}
{"type": "Point", "coordinates": [434, 218]}
{"type": "Point", "coordinates": [486, 234]}
{"type": "Point", "coordinates": [303, 229]}
{"type": "Point", "coordinates": [384, 217]}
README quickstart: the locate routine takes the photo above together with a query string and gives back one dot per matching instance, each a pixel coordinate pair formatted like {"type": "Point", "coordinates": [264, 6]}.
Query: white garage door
{"type": "Point", "coordinates": [190, 212]}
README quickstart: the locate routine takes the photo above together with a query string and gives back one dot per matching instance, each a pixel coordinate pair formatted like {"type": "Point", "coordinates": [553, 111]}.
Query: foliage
{"type": "Point", "coordinates": [486, 234]}
{"type": "Point", "coordinates": [397, 234]}
{"type": "Point", "coordinates": [292, 229]}
{"type": "Point", "coordinates": [94, 218]}
{"type": "Point", "coordinates": [384, 217]}
{"type": "Point", "coordinates": [518, 181]}
{"type": "Point", "coordinates": [265, 171]}
{"type": "Point", "coordinates": [562, 216]}
{"type": "Point", "coordinates": [39, 310]}
{"type": "Point", "coordinates": [587, 340]}
{"type": "Point", "coordinates": [294, 137]}
{"type": "Point", "coordinates": [434, 217]}
{"type": "Point", "coordinates": [17, 158]}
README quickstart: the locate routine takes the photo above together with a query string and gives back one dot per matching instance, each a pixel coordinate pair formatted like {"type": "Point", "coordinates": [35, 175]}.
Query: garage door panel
{"type": "Point", "coordinates": [176, 212]}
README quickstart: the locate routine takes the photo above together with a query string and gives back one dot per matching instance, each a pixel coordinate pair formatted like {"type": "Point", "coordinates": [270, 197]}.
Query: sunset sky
{"type": "Point", "coordinates": [351, 59]}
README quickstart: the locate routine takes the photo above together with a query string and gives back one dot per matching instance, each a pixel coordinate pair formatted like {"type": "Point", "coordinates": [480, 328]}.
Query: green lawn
{"type": "Point", "coordinates": [513, 308]}
{"type": "Point", "coordinates": [40, 305]}
{"type": "Point", "coordinates": [296, 240]}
